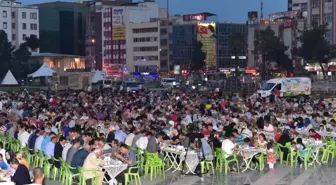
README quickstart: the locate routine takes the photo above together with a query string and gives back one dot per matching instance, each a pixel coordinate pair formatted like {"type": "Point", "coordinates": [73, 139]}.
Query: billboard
{"type": "Point", "coordinates": [194, 17]}
{"type": "Point", "coordinates": [119, 32]}
{"type": "Point", "coordinates": [118, 16]}
{"type": "Point", "coordinates": [206, 34]}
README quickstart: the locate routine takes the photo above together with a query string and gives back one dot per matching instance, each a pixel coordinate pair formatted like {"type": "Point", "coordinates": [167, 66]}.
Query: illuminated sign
{"type": "Point", "coordinates": [195, 17]}
{"type": "Point", "coordinates": [206, 33]}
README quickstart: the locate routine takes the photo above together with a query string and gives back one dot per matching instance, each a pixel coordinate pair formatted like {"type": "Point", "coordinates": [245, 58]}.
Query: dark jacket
{"type": "Point", "coordinates": [58, 153]}
{"type": "Point", "coordinates": [32, 140]}
{"type": "Point", "coordinates": [79, 157]}
{"type": "Point", "coordinates": [21, 175]}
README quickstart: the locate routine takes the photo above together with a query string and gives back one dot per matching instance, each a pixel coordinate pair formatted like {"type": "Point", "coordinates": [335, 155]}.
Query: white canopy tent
{"type": "Point", "coordinates": [43, 71]}
{"type": "Point", "coordinates": [9, 79]}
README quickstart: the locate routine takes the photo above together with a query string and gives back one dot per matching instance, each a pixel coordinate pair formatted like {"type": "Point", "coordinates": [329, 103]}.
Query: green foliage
{"type": "Point", "coordinates": [315, 47]}
{"type": "Point", "coordinates": [198, 60]}
{"type": "Point", "coordinates": [236, 44]}
{"type": "Point", "coordinates": [33, 42]}
{"type": "Point", "coordinates": [272, 49]}
{"type": "Point", "coordinates": [6, 49]}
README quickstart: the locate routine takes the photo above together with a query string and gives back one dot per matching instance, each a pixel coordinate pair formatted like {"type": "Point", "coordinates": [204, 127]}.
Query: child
{"type": "Point", "coordinates": [270, 156]}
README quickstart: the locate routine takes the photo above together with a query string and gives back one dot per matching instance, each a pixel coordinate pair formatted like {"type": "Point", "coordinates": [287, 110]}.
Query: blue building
{"type": "Point", "coordinates": [185, 36]}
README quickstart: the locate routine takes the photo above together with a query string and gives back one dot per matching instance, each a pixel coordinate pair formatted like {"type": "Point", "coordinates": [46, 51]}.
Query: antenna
{"type": "Point", "coordinates": [261, 9]}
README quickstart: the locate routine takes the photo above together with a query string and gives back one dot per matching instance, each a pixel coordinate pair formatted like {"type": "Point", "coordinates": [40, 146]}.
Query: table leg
{"type": "Point", "coordinates": [176, 163]}
{"type": "Point", "coordinates": [247, 162]}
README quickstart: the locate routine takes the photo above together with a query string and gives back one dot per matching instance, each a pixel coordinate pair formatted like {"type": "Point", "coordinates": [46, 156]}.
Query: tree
{"type": "Point", "coordinates": [20, 58]}
{"type": "Point", "coordinates": [236, 43]}
{"type": "Point", "coordinates": [6, 49]}
{"type": "Point", "coordinates": [272, 49]}
{"type": "Point", "coordinates": [33, 42]}
{"type": "Point", "coordinates": [315, 47]}
{"type": "Point", "coordinates": [198, 59]}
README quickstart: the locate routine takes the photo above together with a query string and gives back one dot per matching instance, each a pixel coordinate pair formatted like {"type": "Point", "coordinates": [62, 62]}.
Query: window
{"type": "Point", "coordinates": [163, 31]}
{"type": "Point", "coordinates": [4, 13]}
{"type": "Point", "coordinates": [33, 26]}
{"type": "Point", "coordinates": [24, 26]}
{"type": "Point", "coordinates": [145, 39]}
{"type": "Point", "coordinates": [33, 15]}
{"type": "Point", "coordinates": [163, 42]}
{"type": "Point", "coordinates": [316, 3]}
{"type": "Point", "coordinates": [13, 25]}
{"type": "Point", "coordinates": [4, 25]}
{"type": "Point", "coordinates": [13, 37]}
{"type": "Point", "coordinates": [13, 14]}
{"type": "Point", "coordinates": [316, 18]}
{"type": "Point", "coordinates": [24, 37]}
{"type": "Point", "coordinates": [24, 15]}
{"type": "Point", "coordinates": [145, 30]}
{"type": "Point", "coordinates": [150, 48]}
{"type": "Point", "coordinates": [328, 18]}
{"type": "Point", "coordinates": [146, 58]}
{"type": "Point", "coordinates": [328, 35]}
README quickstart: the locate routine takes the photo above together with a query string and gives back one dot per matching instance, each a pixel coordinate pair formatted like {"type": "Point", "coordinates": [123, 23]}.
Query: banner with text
{"type": "Point", "coordinates": [118, 16]}
{"type": "Point", "coordinates": [118, 33]}
{"type": "Point", "coordinates": [206, 34]}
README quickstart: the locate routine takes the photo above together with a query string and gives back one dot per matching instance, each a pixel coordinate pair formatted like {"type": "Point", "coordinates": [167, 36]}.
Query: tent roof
{"type": "Point", "coordinates": [43, 71]}
{"type": "Point", "coordinates": [9, 79]}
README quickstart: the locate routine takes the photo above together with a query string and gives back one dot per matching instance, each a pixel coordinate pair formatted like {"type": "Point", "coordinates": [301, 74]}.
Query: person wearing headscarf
{"type": "Point", "coordinates": [9, 156]}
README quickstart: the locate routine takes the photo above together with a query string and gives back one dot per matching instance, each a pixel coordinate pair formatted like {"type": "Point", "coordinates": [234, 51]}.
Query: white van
{"type": "Point", "coordinates": [169, 83]}
{"type": "Point", "coordinates": [287, 87]}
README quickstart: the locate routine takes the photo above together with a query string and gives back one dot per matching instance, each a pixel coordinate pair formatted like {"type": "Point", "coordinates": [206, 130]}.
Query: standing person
{"type": "Point", "coordinates": [270, 156]}
{"type": "Point", "coordinates": [38, 176]}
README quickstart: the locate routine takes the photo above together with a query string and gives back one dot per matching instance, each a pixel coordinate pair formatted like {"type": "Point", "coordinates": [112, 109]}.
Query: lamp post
{"type": "Point", "coordinates": [92, 42]}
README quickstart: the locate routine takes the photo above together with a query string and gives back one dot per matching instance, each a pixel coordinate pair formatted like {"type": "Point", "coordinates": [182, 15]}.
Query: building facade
{"type": "Point", "coordinates": [62, 27]}
{"type": "Point", "coordinates": [118, 23]}
{"type": "Point", "coordinates": [323, 11]}
{"type": "Point", "coordinates": [145, 43]}
{"type": "Point", "coordinates": [186, 35]}
{"type": "Point", "coordinates": [18, 21]}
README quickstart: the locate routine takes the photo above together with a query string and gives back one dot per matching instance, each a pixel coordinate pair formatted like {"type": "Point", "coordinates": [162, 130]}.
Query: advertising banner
{"type": "Point", "coordinates": [118, 16]}
{"type": "Point", "coordinates": [206, 34]}
{"type": "Point", "coordinates": [118, 33]}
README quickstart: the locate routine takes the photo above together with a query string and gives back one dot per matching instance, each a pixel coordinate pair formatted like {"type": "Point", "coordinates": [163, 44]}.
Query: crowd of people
{"type": "Point", "coordinates": [81, 127]}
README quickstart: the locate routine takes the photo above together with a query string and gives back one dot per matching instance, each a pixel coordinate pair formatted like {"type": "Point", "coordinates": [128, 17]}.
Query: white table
{"type": "Point", "coordinates": [316, 146]}
{"type": "Point", "coordinates": [191, 159]}
{"type": "Point", "coordinates": [248, 154]}
{"type": "Point", "coordinates": [113, 168]}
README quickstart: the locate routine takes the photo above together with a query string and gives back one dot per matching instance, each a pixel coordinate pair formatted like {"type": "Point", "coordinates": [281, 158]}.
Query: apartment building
{"type": "Point", "coordinates": [18, 21]}
{"type": "Point", "coordinates": [323, 11]}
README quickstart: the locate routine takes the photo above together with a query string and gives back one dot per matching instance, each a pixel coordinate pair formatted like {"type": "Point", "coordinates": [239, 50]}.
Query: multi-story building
{"type": "Point", "coordinates": [62, 27]}
{"type": "Point", "coordinates": [298, 5]}
{"type": "Point", "coordinates": [287, 30]}
{"type": "Point", "coordinates": [117, 21]}
{"type": "Point", "coordinates": [18, 21]}
{"type": "Point", "coordinates": [185, 36]}
{"type": "Point", "coordinates": [94, 32]}
{"type": "Point", "coordinates": [145, 41]}
{"type": "Point", "coordinates": [323, 11]}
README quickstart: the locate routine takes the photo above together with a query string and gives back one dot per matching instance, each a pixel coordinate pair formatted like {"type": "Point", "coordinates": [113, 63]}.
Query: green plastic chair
{"type": "Point", "coordinates": [328, 151]}
{"type": "Point", "coordinates": [207, 164]}
{"type": "Point", "coordinates": [154, 165]}
{"type": "Point", "coordinates": [82, 179]}
{"type": "Point", "coordinates": [70, 173]}
{"type": "Point", "coordinates": [223, 159]}
{"type": "Point", "coordinates": [305, 155]}
{"type": "Point", "coordinates": [46, 167]}
{"type": "Point", "coordinates": [129, 176]}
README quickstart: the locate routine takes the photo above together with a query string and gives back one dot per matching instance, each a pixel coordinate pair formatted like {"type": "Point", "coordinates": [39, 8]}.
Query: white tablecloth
{"type": "Point", "coordinates": [113, 168]}
{"type": "Point", "coordinates": [191, 159]}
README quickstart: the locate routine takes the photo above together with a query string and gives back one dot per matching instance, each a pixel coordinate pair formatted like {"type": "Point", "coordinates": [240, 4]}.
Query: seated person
{"type": "Point", "coordinates": [126, 156]}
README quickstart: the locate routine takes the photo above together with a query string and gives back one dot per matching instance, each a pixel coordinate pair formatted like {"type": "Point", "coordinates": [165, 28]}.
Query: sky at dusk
{"type": "Point", "coordinates": [226, 10]}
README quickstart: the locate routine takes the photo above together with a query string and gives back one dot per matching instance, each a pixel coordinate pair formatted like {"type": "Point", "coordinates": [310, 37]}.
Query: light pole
{"type": "Point", "coordinates": [92, 42]}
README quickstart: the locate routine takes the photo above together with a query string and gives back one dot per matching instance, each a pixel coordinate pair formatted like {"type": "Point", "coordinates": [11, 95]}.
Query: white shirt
{"type": "Point", "coordinates": [269, 128]}
{"type": "Point", "coordinates": [24, 138]}
{"type": "Point", "coordinates": [142, 142]}
{"type": "Point", "coordinates": [129, 139]}
{"type": "Point", "coordinates": [65, 151]}
{"type": "Point", "coordinates": [38, 142]}
{"type": "Point", "coordinates": [227, 147]}
{"type": "Point", "coordinates": [72, 124]}
{"type": "Point", "coordinates": [106, 146]}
